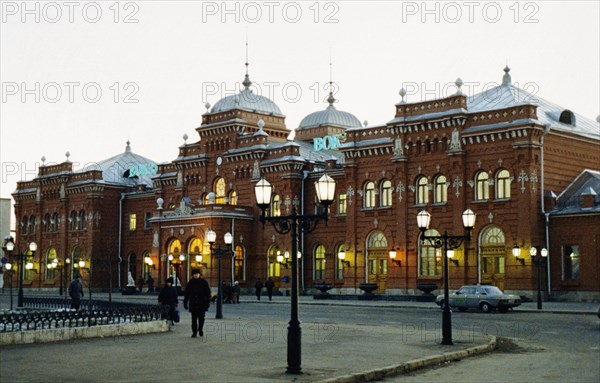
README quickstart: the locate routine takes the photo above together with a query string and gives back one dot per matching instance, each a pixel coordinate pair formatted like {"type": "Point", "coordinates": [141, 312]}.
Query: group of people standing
{"type": "Point", "coordinates": [269, 284]}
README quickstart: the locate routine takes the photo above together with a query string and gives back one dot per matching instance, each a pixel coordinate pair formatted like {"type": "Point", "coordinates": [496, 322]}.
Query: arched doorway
{"type": "Point", "coordinates": [274, 266]}
{"type": "Point", "coordinates": [377, 261]}
{"type": "Point", "coordinates": [492, 252]}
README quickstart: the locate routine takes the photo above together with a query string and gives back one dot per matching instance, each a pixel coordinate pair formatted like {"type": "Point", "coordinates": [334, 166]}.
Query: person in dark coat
{"type": "Point", "coordinates": [168, 297]}
{"type": "Point", "coordinates": [228, 293]}
{"type": "Point", "coordinates": [258, 286]}
{"type": "Point", "coordinates": [76, 292]}
{"type": "Point", "coordinates": [197, 301]}
{"type": "Point", "coordinates": [150, 282]}
{"type": "Point", "coordinates": [269, 284]}
{"type": "Point", "coordinates": [236, 292]}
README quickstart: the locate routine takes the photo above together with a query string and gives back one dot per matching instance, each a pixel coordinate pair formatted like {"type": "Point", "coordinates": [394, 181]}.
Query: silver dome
{"type": "Point", "coordinates": [246, 100]}
{"type": "Point", "coordinates": [329, 117]}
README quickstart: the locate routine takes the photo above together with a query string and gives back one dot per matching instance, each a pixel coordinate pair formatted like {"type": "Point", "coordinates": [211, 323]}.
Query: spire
{"type": "Point", "coordinates": [247, 81]}
{"type": "Point", "coordinates": [128, 147]}
{"type": "Point", "coordinates": [331, 100]}
{"type": "Point", "coordinates": [506, 78]}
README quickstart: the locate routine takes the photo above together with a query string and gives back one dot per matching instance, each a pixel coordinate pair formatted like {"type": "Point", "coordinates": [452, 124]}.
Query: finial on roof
{"type": "Point", "coordinates": [331, 100]}
{"type": "Point", "coordinates": [402, 94]}
{"type": "Point", "coordinates": [43, 160]}
{"type": "Point", "coordinates": [185, 137]}
{"type": "Point", "coordinates": [506, 78]}
{"type": "Point", "coordinates": [207, 106]}
{"type": "Point", "coordinates": [128, 147]}
{"type": "Point", "coordinates": [459, 83]}
{"type": "Point", "coordinates": [260, 124]}
{"type": "Point", "coordinates": [366, 123]}
{"type": "Point", "coordinates": [68, 155]}
{"type": "Point", "coordinates": [247, 81]}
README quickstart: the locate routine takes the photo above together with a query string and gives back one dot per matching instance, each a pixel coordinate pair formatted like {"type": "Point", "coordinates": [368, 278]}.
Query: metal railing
{"type": "Point", "coordinates": [57, 314]}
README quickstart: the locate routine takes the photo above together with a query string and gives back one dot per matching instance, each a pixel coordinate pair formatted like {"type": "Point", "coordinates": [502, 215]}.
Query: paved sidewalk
{"type": "Point", "coordinates": [235, 350]}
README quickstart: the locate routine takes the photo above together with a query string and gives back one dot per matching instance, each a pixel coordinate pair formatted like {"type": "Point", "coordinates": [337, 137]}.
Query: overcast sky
{"type": "Point", "coordinates": [85, 77]}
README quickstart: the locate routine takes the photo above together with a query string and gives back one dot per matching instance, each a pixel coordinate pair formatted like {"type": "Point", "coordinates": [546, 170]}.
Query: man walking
{"type": "Point", "coordinates": [269, 284]}
{"type": "Point", "coordinates": [197, 301]}
{"type": "Point", "coordinates": [258, 286]}
{"type": "Point", "coordinates": [76, 292]}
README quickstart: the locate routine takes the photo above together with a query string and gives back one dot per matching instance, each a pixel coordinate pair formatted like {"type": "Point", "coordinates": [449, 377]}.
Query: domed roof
{"type": "Point", "coordinates": [329, 117]}
{"type": "Point", "coordinates": [246, 100]}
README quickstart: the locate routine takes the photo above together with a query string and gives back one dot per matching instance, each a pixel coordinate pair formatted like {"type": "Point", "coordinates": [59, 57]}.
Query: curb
{"type": "Point", "coordinates": [413, 365]}
{"type": "Point", "coordinates": [72, 333]}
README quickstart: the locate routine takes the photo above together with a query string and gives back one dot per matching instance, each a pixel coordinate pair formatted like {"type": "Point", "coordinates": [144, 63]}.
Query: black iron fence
{"type": "Point", "coordinates": [47, 313]}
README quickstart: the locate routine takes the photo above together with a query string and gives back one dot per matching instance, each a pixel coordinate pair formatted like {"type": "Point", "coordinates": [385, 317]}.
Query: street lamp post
{"type": "Point", "coordinates": [9, 246]}
{"type": "Point", "coordinates": [211, 238]}
{"type": "Point", "coordinates": [447, 242]}
{"type": "Point", "coordinates": [9, 269]}
{"type": "Point", "coordinates": [539, 261]}
{"type": "Point", "coordinates": [325, 188]}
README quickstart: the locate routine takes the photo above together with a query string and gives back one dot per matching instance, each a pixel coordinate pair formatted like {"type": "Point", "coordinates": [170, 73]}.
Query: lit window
{"type": "Point", "coordinates": [422, 191]}
{"type": "Point", "coordinates": [342, 203]}
{"type": "Point", "coordinates": [441, 190]}
{"type": "Point", "coordinates": [370, 195]}
{"type": "Point", "coordinates": [220, 191]}
{"type": "Point", "coordinates": [320, 262]}
{"type": "Point", "coordinates": [340, 263]}
{"type": "Point", "coordinates": [132, 222]}
{"type": "Point", "coordinates": [233, 198]}
{"type": "Point", "coordinates": [386, 193]}
{"type": "Point", "coordinates": [275, 206]}
{"type": "Point", "coordinates": [239, 264]}
{"type": "Point", "coordinates": [430, 260]}
{"type": "Point", "coordinates": [482, 192]}
{"type": "Point", "coordinates": [571, 262]}
{"type": "Point", "coordinates": [503, 185]}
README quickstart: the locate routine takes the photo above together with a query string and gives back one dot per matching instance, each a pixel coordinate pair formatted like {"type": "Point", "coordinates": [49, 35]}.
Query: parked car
{"type": "Point", "coordinates": [483, 297]}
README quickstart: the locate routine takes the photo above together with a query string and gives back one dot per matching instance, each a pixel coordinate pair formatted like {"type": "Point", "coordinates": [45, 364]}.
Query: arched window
{"type": "Point", "coordinates": [238, 264]}
{"type": "Point", "coordinates": [32, 222]}
{"type": "Point", "coordinates": [73, 220]}
{"type": "Point", "coordinates": [422, 191]}
{"type": "Point", "coordinates": [441, 189]}
{"type": "Point", "coordinates": [275, 206]}
{"type": "Point", "coordinates": [386, 193]}
{"type": "Point", "coordinates": [82, 220]}
{"type": "Point", "coordinates": [320, 262]}
{"type": "Point", "coordinates": [482, 192]}
{"type": "Point", "coordinates": [195, 254]}
{"type": "Point", "coordinates": [339, 269]}
{"type": "Point", "coordinates": [493, 250]}
{"type": "Point", "coordinates": [274, 266]}
{"type": "Point", "coordinates": [47, 227]}
{"type": "Point", "coordinates": [370, 195]}
{"type": "Point", "coordinates": [233, 199]}
{"type": "Point", "coordinates": [24, 226]}
{"type": "Point", "coordinates": [55, 222]}
{"type": "Point", "coordinates": [503, 184]}
{"type": "Point", "coordinates": [50, 257]}
{"type": "Point", "coordinates": [430, 258]}
{"type": "Point", "coordinates": [220, 191]}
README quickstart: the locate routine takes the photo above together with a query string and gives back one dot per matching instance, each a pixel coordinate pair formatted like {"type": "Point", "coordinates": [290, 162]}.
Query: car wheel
{"type": "Point", "coordinates": [463, 309]}
{"type": "Point", "coordinates": [485, 307]}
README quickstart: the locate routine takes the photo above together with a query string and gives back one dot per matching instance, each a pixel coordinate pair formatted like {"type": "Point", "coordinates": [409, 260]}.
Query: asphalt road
{"type": "Point", "coordinates": [534, 347]}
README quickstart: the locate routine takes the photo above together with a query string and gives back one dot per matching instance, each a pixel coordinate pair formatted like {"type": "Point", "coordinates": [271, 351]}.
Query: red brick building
{"type": "Point", "coordinates": [498, 153]}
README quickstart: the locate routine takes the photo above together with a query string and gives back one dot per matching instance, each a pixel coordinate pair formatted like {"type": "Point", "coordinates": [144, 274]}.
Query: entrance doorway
{"type": "Point", "coordinates": [492, 249]}
{"type": "Point", "coordinates": [377, 260]}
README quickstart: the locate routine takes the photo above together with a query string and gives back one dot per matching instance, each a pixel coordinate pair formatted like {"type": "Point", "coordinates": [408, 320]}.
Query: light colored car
{"type": "Point", "coordinates": [483, 297]}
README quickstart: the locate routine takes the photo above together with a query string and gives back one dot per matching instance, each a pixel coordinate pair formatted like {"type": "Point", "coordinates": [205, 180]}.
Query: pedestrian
{"type": "Point", "coordinates": [236, 292]}
{"type": "Point", "coordinates": [141, 283]}
{"type": "Point", "coordinates": [269, 284]}
{"type": "Point", "coordinates": [168, 299]}
{"type": "Point", "coordinates": [150, 282]}
{"type": "Point", "coordinates": [258, 286]}
{"type": "Point", "coordinates": [76, 292]}
{"type": "Point", "coordinates": [228, 292]}
{"type": "Point", "coordinates": [197, 301]}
